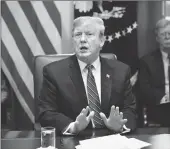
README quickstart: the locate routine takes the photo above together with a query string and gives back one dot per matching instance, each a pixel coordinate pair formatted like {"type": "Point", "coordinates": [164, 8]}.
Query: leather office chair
{"type": "Point", "coordinates": [42, 60]}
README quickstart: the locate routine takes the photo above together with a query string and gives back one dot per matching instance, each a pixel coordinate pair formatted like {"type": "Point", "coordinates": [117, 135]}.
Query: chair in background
{"type": "Point", "coordinates": [143, 115]}
{"type": "Point", "coordinates": [42, 60]}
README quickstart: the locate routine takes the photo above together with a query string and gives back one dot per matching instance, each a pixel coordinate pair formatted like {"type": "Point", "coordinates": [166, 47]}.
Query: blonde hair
{"type": "Point", "coordinates": [90, 20]}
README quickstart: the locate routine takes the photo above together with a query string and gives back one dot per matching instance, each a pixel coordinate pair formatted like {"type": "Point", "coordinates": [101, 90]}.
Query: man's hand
{"type": "Point", "coordinates": [82, 120]}
{"type": "Point", "coordinates": [115, 121]}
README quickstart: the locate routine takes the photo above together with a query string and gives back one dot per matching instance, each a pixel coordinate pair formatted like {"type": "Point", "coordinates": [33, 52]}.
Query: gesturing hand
{"type": "Point", "coordinates": [115, 121]}
{"type": "Point", "coordinates": [82, 120]}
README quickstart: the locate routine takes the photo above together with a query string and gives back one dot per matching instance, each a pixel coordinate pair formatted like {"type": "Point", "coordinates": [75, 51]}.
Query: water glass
{"type": "Point", "coordinates": [48, 137]}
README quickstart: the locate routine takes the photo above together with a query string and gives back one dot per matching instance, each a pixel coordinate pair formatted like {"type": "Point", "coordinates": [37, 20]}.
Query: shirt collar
{"type": "Point", "coordinates": [82, 65]}
{"type": "Point", "coordinates": [164, 54]}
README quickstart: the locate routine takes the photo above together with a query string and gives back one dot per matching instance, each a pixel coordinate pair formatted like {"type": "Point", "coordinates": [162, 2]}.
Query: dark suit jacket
{"type": "Point", "coordinates": [63, 94]}
{"type": "Point", "coordinates": [152, 87]}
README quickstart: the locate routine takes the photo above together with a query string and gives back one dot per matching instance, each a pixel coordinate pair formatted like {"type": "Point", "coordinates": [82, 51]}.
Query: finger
{"type": "Point", "coordinates": [124, 121]}
{"type": "Point", "coordinates": [117, 111]}
{"type": "Point", "coordinates": [83, 110]}
{"type": "Point", "coordinates": [86, 111]}
{"type": "Point", "coordinates": [112, 111]}
{"type": "Point", "coordinates": [90, 116]}
{"type": "Point", "coordinates": [88, 108]}
{"type": "Point", "coordinates": [121, 115]}
{"type": "Point", "coordinates": [103, 118]}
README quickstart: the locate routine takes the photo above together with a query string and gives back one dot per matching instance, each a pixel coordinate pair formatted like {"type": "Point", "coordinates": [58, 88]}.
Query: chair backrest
{"type": "Point", "coordinates": [42, 60]}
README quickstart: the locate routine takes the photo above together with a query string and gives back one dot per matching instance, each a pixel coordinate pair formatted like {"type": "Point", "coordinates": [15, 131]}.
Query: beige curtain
{"type": "Point", "coordinates": [149, 12]}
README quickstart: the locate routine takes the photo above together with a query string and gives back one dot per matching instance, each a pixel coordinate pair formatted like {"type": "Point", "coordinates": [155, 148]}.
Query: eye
{"type": "Point", "coordinates": [165, 34]}
{"type": "Point", "coordinates": [77, 34]}
{"type": "Point", "coordinates": [89, 34]}
{"type": "Point", "coordinates": [162, 34]}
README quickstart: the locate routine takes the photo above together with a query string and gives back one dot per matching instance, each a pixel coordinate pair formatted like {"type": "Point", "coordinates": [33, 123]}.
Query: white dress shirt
{"type": "Point", "coordinates": [96, 73]}
{"type": "Point", "coordinates": [165, 65]}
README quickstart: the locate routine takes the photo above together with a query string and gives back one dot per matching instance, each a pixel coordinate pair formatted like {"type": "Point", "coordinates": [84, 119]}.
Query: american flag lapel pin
{"type": "Point", "coordinates": [107, 75]}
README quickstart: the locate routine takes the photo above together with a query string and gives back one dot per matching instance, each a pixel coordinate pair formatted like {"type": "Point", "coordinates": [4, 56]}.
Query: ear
{"type": "Point", "coordinates": [157, 38]}
{"type": "Point", "coordinates": [102, 41]}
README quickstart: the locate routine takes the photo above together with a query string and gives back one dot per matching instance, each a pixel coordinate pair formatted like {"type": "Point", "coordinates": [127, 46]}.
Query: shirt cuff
{"type": "Point", "coordinates": [164, 100]}
{"type": "Point", "coordinates": [66, 132]}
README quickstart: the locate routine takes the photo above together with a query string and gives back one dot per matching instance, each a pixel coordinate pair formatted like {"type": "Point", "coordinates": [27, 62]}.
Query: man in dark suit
{"type": "Point", "coordinates": [86, 90]}
{"type": "Point", "coordinates": [154, 77]}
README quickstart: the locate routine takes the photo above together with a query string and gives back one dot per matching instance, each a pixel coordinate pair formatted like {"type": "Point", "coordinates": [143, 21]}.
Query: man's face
{"type": "Point", "coordinates": [87, 42]}
{"type": "Point", "coordinates": [163, 37]}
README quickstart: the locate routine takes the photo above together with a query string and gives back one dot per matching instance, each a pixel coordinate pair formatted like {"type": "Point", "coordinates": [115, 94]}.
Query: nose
{"type": "Point", "coordinates": [167, 35]}
{"type": "Point", "coordinates": [83, 38]}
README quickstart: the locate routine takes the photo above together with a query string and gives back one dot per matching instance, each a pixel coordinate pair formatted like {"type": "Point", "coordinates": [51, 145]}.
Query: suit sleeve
{"type": "Point", "coordinates": [150, 94]}
{"type": "Point", "coordinates": [129, 109]}
{"type": "Point", "coordinates": [49, 114]}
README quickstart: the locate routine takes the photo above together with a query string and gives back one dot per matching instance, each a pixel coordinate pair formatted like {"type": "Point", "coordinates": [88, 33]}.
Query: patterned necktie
{"type": "Point", "coordinates": [93, 98]}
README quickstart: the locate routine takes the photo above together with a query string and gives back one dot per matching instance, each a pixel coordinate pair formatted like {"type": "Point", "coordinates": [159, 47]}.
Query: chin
{"type": "Point", "coordinates": [85, 57]}
{"type": "Point", "coordinates": [85, 54]}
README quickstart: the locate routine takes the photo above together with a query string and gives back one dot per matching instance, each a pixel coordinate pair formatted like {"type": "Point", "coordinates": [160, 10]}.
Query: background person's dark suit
{"type": "Point", "coordinates": [152, 87]}
{"type": "Point", "coordinates": [63, 94]}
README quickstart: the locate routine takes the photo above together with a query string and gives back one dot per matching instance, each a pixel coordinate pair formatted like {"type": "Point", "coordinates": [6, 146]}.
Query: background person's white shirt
{"type": "Point", "coordinates": [165, 65]}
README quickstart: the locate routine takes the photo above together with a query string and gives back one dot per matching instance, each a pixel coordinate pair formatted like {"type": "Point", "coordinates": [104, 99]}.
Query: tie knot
{"type": "Point", "coordinates": [90, 67]}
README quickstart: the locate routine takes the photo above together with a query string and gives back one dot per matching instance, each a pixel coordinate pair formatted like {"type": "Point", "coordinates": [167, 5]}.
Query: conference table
{"type": "Point", "coordinates": [31, 139]}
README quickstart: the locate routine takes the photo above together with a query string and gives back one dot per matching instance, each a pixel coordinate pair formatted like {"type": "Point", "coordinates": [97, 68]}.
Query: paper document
{"type": "Point", "coordinates": [136, 144]}
{"type": "Point", "coordinates": [50, 147]}
{"type": "Point", "coordinates": [160, 141]}
{"type": "Point", "coordinates": [112, 141]}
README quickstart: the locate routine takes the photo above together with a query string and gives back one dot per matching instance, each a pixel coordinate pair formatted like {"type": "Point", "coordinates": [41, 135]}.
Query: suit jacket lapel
{"type": "Point", "coordinates": [106, 84]}
{"type": "Point", "coordinates": [77, 80]}
{"type": "Point", "coordinates": [158, 62]}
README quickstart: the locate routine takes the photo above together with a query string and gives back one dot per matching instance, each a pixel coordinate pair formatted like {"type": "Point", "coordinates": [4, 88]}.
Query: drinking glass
{"type": "Point", "coordinates": [48, 137]}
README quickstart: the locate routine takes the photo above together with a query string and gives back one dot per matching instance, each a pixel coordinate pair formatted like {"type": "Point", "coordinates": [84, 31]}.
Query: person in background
{"type": "Point", "coordinates": [5, 101]}
{"type": "Point", "coordinates": [86, 90]}
{"type": "Point", "coordinates": [154, 77]}
{"type": "Point", "coordinates": [4, 87]}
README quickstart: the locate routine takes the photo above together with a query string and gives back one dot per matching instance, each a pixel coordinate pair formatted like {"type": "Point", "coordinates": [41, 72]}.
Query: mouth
{"type": "Point", "coordinates": [167, 43]}
{"type": "Point", "coordinates": [83, 49]}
